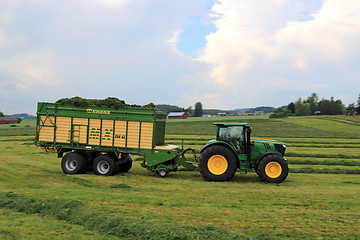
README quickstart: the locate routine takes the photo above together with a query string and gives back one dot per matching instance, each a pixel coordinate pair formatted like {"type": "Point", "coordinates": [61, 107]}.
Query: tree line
{"type": "Point", "coordinates": [197, 112]}
{"type": "Point", "coordinates": [313, 106]}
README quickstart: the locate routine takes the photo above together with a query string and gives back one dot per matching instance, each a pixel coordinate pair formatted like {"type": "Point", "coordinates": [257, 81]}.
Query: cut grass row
{"type": "Point", "coordinates": [22, 226]}
{"type": "Point", "coordinates": [324, 161]}
{"type": "Point", "coordinates": [75, 212]}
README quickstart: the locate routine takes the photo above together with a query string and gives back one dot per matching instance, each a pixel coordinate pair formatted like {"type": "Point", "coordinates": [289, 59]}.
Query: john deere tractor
{"type": "Point", "coordinates": [233, 150]}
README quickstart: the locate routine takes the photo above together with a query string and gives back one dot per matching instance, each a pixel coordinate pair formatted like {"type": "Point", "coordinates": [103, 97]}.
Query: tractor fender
{"type": "Point", "coordinates": [262, 156]}
{"type": "Point", "coordinates": [219, 143]}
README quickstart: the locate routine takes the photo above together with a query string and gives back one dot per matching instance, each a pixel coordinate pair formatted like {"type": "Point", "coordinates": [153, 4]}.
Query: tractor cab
{"type": "Point", "coordinates": [236, 134]}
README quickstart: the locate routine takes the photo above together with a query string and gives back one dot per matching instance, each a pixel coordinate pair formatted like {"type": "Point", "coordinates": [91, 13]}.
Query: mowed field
{"type": "Point", "coordinates": [320, 198]}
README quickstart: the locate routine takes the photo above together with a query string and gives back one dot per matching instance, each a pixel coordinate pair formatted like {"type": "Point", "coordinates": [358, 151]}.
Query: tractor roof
{"type": "Point", "coordinates": [230, 124]}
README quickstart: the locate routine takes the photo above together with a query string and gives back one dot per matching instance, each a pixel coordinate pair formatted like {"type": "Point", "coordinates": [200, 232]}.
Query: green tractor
{"type": "Point", "coordinates": [233, 149]}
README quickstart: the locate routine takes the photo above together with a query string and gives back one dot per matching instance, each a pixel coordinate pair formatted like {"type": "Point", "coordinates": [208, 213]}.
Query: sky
{"type": "Point", "coordinates": [225, 54]}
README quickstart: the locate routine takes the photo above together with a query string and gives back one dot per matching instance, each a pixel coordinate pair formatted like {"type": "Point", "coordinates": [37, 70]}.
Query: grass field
{"type": "Point", "coordinates": [319, 199]}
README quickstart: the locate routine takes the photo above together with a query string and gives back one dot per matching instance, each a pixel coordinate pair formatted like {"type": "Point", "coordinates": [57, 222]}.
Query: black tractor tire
{"type": "Point", "coordinates": [217, 163]}
{"type": "Point", "coordinates": [272, 169]}
{"type": "Point", "coordinates": [105, 165]}
{"type": "Point", "coordinates": [73, 163]}
{"type": "Point", "coordinates": [125, 167]}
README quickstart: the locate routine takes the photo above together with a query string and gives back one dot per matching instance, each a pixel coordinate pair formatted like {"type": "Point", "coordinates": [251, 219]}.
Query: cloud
{"type": "Point", "coordinates": [259, 43]}
{"type": "Point", "coordinates": [31, 69]}
{"type": "Point", "coordinates": [114, 3]}
{"type": "Point", "coordinates": [94, 49]}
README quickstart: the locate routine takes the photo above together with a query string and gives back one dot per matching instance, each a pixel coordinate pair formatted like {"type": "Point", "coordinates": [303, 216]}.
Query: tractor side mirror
{"type": "Point", "coordinates": [249, 128]}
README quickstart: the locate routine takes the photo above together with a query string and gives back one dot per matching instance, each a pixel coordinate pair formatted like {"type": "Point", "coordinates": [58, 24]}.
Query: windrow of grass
{"type": "Point", "coordinates": [75, 212]}
{"type": "Point", "coordinates": [22, 226]}
{"type": "Point", "coordinates": [324, 169]}
{"type": "Point", "coordinates": [324, 161]}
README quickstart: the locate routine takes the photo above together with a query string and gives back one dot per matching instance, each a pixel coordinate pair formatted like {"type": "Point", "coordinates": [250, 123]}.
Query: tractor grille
{"type": "Point", "coordinates": [280, 148]}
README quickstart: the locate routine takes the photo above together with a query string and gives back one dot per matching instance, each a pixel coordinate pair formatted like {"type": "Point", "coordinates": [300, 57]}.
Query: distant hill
{"type": "Point", "coordinates": [261, 109]}
{"type": "Point", "coordinates": [240, 110]}
{"type": "Point", "coordinates": [168, 108]}
{"type": "Point", "coordinates": [22, 116]}
{"type": "Point", "coordinates": [216, 111]}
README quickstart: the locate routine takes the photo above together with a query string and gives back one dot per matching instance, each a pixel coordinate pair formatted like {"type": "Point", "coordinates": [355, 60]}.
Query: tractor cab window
{"type": "Point", "coordinates": [233, 134]}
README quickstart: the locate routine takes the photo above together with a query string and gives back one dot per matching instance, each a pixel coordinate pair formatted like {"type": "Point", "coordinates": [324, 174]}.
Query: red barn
{"type": "Point", "coordinates": [8, 120]}
{"type": "Point", "coordinates": [177, 115]}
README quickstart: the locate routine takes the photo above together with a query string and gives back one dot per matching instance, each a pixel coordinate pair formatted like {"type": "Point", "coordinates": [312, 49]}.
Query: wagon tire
{"type": "Point", "coordinates": [73, 163]}
{"type": "Point", "coordinates": [125, 167]}
{"type": "Point", "coordinates": [217, 163]}
{"type": "Point", "coordinates": [104, 165]}
{"type": "Point", "coordinates": [163, 173]}
{"type": "Point", "coordinates": [272, 169]}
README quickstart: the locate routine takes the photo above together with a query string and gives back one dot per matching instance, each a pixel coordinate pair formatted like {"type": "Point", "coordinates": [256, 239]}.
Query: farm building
{"type": "Point", "coordinates": [7, 120]}
{"type": "Point", "coordinates": [177, 115]}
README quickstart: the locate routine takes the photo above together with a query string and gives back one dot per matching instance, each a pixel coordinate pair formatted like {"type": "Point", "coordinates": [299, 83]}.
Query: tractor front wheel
{"type": "Point", "coordinates": [272, 169]}
{"type": "Point", "coordinates": [217, 163]}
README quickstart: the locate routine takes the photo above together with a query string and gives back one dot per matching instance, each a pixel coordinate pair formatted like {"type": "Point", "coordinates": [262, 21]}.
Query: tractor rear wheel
{"type": "Point", "coordinates": [272, 169]}
{"type": "Point", "coordinates": [217, 163]}
{"type": "Point", "coordinates": [105, 165]}
{"type": "Point", "coordinates": [73, 163]}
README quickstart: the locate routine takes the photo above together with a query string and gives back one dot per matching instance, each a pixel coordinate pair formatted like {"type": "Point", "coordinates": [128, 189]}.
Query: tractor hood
{"type": "Point", "coordinates": [266, 145]}
{"type": "Point", "coordinates": [258, 140]}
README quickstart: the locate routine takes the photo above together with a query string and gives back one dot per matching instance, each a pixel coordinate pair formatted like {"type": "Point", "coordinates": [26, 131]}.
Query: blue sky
{"type": "Point", "coordinates": [226, 54]}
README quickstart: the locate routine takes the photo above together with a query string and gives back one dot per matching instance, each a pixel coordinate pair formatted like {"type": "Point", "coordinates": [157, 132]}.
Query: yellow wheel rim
{"type": "Point", "coordinates": [273, 169]}
{"type": "Point", "coordinates": [217, 164]}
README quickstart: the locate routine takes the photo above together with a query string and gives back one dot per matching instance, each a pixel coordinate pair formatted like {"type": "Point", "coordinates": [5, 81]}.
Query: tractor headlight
{"type": "Point", "coordinates": [280, 148]}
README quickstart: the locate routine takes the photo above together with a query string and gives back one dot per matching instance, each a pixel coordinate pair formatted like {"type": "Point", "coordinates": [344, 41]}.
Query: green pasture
{"type": "Point", "coordinates": [301, 127]}
{"type": "Point", "coordinates": [25, 128]}
{"type": "Point", "coordinates": [320, 199]}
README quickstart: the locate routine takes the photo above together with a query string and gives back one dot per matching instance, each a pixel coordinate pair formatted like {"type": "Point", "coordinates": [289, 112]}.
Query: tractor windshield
{"type": "Point", "coordinates": [233, 132]}
{"type": "Point", "coordinates": [233, 135]}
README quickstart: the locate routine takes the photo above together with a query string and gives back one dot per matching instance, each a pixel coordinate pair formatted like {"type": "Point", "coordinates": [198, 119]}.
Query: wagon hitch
{"type": "Point", "coordinates": [187, 163]}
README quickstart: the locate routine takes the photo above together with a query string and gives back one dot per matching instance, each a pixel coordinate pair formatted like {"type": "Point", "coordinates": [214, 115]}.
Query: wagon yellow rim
{"type": "Point", "coordinates": [217, 164]}
{"type": "Point", "coordinates": [273, 169]}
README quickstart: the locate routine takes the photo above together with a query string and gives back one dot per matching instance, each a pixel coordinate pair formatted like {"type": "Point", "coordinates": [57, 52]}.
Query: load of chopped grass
{"type": "Point", "coordinates": [111, 102]}
{"type": "Point", "coordinates": [75, 212]}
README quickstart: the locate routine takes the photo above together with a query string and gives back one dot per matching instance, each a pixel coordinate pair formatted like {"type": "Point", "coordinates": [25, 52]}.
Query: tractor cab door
{"type": "Point", "coordinates": [233, 135]}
